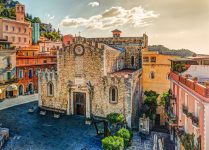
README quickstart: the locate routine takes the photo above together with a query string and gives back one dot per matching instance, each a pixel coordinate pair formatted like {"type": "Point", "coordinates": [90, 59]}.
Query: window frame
{"type": "Point", "coordinates": [111, 94]}
{"type": "Point", "coordinates": [50, 86]}
{"type": "Point", "coordinates": [152, 73]}
{"type": "Point", "coordinates": [132, 61]}
{"type": "Point", "coordinates": [153, 59]}
{"type": "Point", "coordinates": [145, 59]}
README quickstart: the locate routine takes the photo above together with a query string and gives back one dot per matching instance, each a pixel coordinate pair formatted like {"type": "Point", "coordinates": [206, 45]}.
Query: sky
{"type": "Point", "coordinates": [175, 24]}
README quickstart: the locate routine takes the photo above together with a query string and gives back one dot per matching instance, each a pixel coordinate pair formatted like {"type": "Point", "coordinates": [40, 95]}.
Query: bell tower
{"type": "Point", "coordinates": [20, 12]}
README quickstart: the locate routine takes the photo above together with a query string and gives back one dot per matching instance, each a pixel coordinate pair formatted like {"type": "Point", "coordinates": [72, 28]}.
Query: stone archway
{"type": "Point", "coordinates": [30, 88]}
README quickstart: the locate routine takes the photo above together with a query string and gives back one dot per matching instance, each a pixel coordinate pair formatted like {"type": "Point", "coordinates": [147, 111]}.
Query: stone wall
{"type": "Point", "coordinates": [90, 74]}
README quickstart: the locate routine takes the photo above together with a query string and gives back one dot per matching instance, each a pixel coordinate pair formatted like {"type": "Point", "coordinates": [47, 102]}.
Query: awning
{"type": "Point", "coordinates": [12, 87]}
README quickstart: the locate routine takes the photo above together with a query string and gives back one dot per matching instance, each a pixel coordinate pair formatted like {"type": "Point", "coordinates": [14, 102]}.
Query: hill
{"type": "Point", "coordinates": [166, 51]}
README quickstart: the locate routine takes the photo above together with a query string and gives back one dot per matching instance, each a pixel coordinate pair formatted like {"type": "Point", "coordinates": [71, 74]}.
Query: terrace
{"type": "Point", "coordinates": [202, 88]}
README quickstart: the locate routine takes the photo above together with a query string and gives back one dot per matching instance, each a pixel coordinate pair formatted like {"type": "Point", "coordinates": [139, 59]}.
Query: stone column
{"type": "Point", "coordinates": [88, 95]}
{"type": "Point", "coordinates": [39, 90]}
{"type": "Point", "coordinates": [69, 100]}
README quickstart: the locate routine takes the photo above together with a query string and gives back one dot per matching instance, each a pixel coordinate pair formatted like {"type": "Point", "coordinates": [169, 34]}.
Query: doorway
{"type": "Point", "coordinates": [157, 120]}
{"type": "Point", "coordinates": [20, 89]}
{"type": "Point", "coordinates": [79, 103]}
{"type": "Point", "coordinates": [30, 88]}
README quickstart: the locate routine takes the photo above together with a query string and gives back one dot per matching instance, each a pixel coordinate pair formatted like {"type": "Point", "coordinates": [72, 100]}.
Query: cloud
{"type": "Point", "coordinates": [48, 18]}
{"type": "Point", "coordinates": [113, 17]}
{"type": "Point", "coordinates": [93, 4]}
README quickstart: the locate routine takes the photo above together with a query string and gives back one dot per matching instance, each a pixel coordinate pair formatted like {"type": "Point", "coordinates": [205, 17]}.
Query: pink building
{"type": "Point", "coordinates": [18, 31]}
{"type": "Point", "coordinates": [67, 39]}
{"type": "Point", "coordinates": [189, 106]}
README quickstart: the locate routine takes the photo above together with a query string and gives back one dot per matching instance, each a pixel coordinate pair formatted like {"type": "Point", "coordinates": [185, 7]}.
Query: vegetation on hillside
{"type": "Point", "coordinates": [164, 50]}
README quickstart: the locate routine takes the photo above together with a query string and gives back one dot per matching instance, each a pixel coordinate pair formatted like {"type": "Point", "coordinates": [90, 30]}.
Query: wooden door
{"type": "Point", "coordinates": [79, 103]}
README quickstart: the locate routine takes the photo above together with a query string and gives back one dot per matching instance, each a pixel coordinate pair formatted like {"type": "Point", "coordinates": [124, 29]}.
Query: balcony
{"type": "Point", "coordinates": [172, 118]}
{"type": "Point", "coordinates": [179, 131]}
{"type": "Point", "coordinates": [185, 109]}
{"type": "Point", "coordinates": [10, 81]}
{"type": "Point", "coordinates": [195, 121]}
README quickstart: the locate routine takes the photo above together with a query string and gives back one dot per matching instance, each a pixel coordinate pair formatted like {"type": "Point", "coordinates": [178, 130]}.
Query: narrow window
{"type": "Point", "coordinates": [50, 89]}
{"type": "Point", "coordinates": [132, 61]}
{"type": "Point", "coordinates": [113, 95]}
{"type": "Point", "coordinates": [152, 75]}
{"type": "Point", "coordinates": [153, 59]}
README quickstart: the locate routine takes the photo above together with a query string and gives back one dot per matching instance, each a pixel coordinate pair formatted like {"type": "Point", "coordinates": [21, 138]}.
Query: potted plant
{"type": "Point", "coordinates": [88, 121]}
{"type": "Point", "coordinates": [126, 135]}
{"type": "Point", "coordinates": [113, 143]}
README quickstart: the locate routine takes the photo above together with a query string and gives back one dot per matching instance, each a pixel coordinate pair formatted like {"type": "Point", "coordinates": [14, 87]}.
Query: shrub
{"type": "Point", "coordinates": [116, 118]}
{"type": "Point", "coordinates": [113, 143]}
{"type": "Point", "coordinates": [126, 135]}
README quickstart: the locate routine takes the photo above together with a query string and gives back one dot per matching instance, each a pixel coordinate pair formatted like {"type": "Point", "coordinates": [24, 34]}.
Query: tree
{"type": "Point", "coordinates": [36, 20]}
{"type": "Point", "coordinates": [150, 105]}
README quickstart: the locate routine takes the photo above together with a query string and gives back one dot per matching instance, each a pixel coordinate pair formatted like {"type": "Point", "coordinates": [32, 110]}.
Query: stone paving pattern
{"type": "Point", "coordinates": [35, 132]}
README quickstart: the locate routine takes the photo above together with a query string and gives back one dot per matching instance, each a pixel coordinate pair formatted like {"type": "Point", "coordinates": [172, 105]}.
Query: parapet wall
{"type": "Point", "coordinates": [193, 85]}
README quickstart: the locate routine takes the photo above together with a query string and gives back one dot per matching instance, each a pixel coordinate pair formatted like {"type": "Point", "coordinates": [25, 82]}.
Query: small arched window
{"type": "Point", "coordinates": [50, 89]}
{"type": "Point", "coordinates": [113, 95]}
{"type": "Point", "coordinates": [132, 61]}
{"type": "Point", "coordinates": [152, 75]}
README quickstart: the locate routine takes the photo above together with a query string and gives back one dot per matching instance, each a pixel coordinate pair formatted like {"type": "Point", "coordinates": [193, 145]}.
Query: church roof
{"type": "Point", "coordinates": [116, 30]}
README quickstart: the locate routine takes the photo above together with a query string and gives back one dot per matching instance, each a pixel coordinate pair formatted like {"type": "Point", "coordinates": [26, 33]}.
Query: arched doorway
{"type": "Point", "coordinates": [20, 89]}
{"type": "Point", "coordinates": [30, 88]}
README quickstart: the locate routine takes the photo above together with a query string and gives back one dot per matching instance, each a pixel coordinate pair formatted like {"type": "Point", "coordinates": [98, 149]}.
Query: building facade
{"type": "Point", "coordinates": [67, 40]}
{"type": "Point", "coordinates": [18, 32]}
{"type": "Point", "coordinates": [46, 46]}
{"type": "Point", "coordinates": [95, 76]}
{"type": "Point", "coordinates": [189, 107]}
{"type": "Point", "coordinates": [36, 32]}
{"type": "Point", "coordinates": [29, 62]}
{"type": "Point", "coordinates": [155, 76]}
{"type": "Point", "coordinates": [8, 79]}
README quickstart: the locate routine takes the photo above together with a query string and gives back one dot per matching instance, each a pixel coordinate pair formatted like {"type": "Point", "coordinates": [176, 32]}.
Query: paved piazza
{"type": "Point", "coordinates": [35, 132]}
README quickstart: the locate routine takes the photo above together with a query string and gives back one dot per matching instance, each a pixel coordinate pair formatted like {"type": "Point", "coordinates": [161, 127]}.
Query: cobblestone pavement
{"type": "Point", "coordinates": [35, 132]}
{"type": "Point", "coordinates": [17, 101]}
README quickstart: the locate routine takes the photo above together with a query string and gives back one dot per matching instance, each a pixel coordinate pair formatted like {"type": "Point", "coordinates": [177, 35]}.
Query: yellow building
{"type": "Point", "coordinates": [155, 76]}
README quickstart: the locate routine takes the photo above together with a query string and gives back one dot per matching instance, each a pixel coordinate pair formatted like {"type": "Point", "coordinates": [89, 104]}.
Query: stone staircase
{"type": "Point", "coordinates": [139, 144]}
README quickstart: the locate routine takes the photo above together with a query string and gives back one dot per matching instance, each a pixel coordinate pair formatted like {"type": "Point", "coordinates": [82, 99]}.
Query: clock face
{"type": "Point", "coordinates": [79, 50]}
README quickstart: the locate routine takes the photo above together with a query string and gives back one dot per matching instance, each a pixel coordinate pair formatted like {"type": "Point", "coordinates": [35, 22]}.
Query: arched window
{"type": "Point", "coordinates": [152, 75]}
{"type": "Point", "coordinates": [132, 61]}
{"type": "Point", "coordinates": [50, 89]}
{"type": "Point", "coordinates": [113, 95]}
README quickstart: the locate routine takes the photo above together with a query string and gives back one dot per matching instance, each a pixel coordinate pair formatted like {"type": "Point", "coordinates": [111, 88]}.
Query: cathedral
{"type": "Point", "coordinates": [96, 76]}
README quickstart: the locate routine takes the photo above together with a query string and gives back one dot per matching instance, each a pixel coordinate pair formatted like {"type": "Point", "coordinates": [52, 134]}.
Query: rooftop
{"type": "Point", "coordinates": [116, 30]}
{"type": "Point", "coordinates": [196, 79]}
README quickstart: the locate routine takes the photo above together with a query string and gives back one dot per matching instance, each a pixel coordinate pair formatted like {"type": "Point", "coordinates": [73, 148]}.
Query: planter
{"type": "Point", "coordinates": [88, 122]}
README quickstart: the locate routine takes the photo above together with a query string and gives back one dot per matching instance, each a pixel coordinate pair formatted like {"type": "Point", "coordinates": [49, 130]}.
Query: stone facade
{"type": "Point", "coordinates": [94, 68]}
